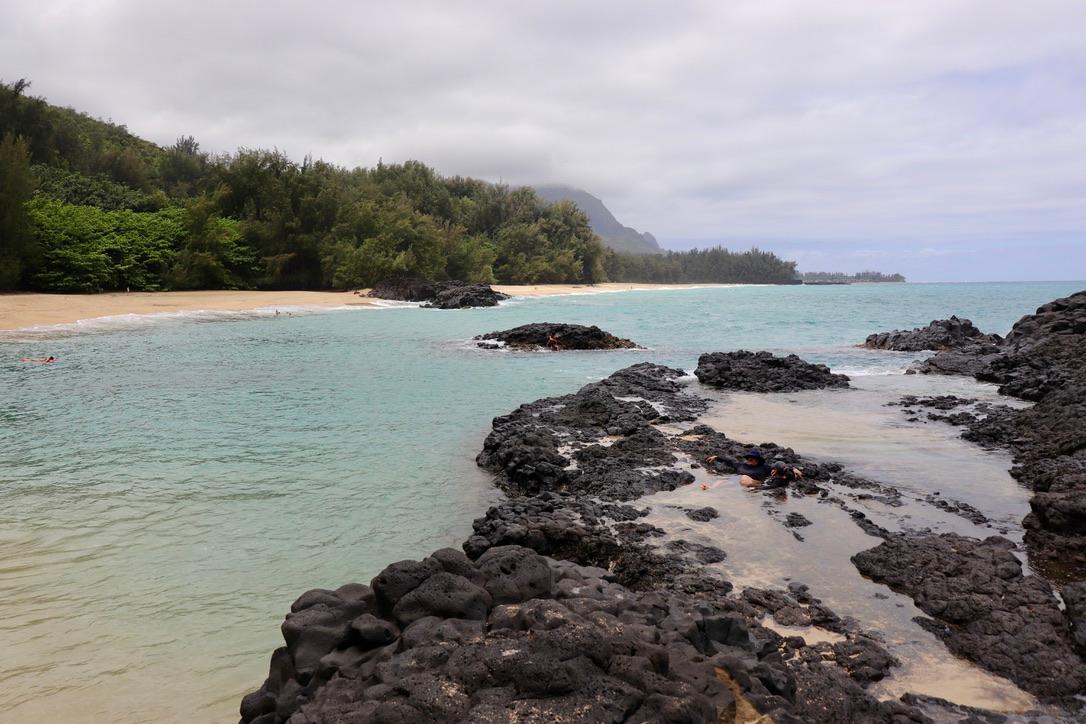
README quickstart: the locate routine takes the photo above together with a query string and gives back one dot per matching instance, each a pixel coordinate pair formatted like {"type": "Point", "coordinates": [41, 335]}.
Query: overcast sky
{"type": "Point", "coordinates": [942, 139]}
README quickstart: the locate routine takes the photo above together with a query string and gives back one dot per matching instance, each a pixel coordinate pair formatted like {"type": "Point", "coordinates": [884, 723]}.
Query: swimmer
{"type": "Point", "coordinates": [44, 360]}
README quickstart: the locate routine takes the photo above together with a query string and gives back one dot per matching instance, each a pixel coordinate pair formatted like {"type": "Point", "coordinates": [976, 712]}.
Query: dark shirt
{"type": "Point", "coordinates": [759, 472]}
{"type": "Point", "coordinates": [777, 481]}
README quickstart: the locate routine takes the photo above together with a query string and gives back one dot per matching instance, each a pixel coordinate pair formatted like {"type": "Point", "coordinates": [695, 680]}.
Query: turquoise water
{"type": "Point", "coordinates": [172, 484]}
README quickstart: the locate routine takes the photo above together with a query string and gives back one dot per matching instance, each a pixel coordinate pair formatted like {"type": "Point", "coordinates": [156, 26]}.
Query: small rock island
{"type": "Point", "coordinates": [566, 337]}
{"type": "Point", "coordinates": [764, 372]}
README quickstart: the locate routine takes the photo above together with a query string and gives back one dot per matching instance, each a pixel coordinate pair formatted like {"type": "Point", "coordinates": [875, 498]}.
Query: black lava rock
{"type": "Point", "coordinates": [566, 645]}
{"type": "Point", "coordinates": [987, 610]}
{"type": "Point", "coordinates": [438, 295]}
{"type": "Point", "coordinates": [764, 372]}
{"type": "Point", "coordinates": [569, 336]}
{"type": "Point", "coordinates": [1041, 360]}
{"type": "Point", "coordinates": [941, 334]}
{"type": "Point", "coordinates": [702, 515]}
{"type": "Point", "coordinates": [599, 441]}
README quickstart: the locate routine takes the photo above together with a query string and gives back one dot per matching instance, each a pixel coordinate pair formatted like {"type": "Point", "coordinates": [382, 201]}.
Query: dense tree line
{"type": "Point", "coordinates": [701, 266]}
{"type": "Point", "coordinates": [864, 276]}
{"type": "Point", "coordinates": [87, 206]}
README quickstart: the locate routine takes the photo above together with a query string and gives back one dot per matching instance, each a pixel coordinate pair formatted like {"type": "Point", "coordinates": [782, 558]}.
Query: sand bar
{"type": "Point", "coordinates": [19, 311]}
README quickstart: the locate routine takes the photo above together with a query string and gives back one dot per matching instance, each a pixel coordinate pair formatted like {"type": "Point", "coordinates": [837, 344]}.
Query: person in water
{"type": "Point", "coordinates": [44, 360]}
{"type": "Point", "coordinates": [552, 342]}
{"type": "Point", "coordinates": [754, 472]}
{"type": "Point", "coordinates": [781, 474]}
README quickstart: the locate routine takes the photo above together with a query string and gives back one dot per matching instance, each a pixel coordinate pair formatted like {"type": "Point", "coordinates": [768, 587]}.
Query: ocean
{"type": "Point", "coordinates": [175, 481]}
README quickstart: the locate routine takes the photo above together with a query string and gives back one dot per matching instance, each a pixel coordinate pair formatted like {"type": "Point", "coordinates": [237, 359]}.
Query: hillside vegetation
{"type": "Point", "coordinates": [86, 206]}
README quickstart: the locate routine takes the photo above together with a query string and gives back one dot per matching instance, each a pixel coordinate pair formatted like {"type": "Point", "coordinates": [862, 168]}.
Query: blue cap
{"type": "Point", "coordinates": [755, 453]}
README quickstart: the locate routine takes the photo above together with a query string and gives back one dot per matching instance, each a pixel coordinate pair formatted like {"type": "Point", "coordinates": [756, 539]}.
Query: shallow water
{"type": "Point", "coordinates": [857, 428]}
{"type": "Point", "coordinates": [174, 482]}
{"type": "Point", "coordinates": [854, 427]}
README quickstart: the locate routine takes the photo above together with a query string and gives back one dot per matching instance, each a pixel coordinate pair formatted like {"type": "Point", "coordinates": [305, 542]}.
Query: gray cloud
{"type": "Point", "coordinates": [816, 129]}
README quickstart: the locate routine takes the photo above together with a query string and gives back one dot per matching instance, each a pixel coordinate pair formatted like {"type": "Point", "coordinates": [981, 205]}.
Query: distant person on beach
{"type": "Point", "coordinates": [44, 360]}
{"type": "Point", "coordinates": [754, 472]}
{"type": "Point", "coordinates": [552, 342]}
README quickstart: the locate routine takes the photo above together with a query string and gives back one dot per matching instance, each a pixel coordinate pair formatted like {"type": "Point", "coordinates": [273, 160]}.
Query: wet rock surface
{"type": "Point", "coordinates": [764, 372]}
{"type": "Point", "coordinates": [983, 607]}
{"type": "Point", "coordinates": [598, 441]}
{"type": "Point", "coordinates": [702, 515]}
{"type": "Point", "coordinates": [988, 425]}
{"type": "Point", "coordinates": [439, 295]}
{"type": "Point", "coordinates": [939, 335]}
{"type": "Point", "coordinates": [569, 337]}
{"type": "Point", "coordinates": [970, 363]}
{"type": "Point", "coordinates": [1074, 598]}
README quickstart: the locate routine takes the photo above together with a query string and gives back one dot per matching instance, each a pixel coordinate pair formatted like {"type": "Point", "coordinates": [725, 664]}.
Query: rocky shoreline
{"type": "Point", "coordinates": [984, 608]}
{"type": "Point", "coordinates": [439, 295]}
{"type": "Point", "coordinates": [565, 606]}
{"type": "Point", "coordinates": [1041, 361]}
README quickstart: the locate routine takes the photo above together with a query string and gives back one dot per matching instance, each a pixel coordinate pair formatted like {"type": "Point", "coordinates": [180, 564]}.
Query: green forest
{"type": "Point", "coordinates": [866, 277]}
{"type": "Point", "coordinates": [85, 206]}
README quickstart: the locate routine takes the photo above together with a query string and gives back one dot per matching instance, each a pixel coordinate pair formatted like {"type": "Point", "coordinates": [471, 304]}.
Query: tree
{"type": "Point", "coordinates": [212, 256]}
{"type": "Point", "coordinates": [26, 116]}
{"type": "Point", "coordinates": [402, 244]}
{"type": "Point", "coordinates": [182, 167]}
{"type": "Point", "coordinates": [16, 187]}
{"type": "Point", "coordinates": [84, 249]}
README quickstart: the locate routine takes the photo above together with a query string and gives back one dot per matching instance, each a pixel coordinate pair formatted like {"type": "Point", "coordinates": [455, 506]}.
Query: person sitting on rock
{"type": "Point", "coordinates": [552, 342]}
{"type": "Point", "coordinates": [754, 472]}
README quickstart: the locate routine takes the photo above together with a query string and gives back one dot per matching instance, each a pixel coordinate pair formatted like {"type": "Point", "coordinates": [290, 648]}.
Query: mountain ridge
{"type": "Point", "coordinates": [614, 233]}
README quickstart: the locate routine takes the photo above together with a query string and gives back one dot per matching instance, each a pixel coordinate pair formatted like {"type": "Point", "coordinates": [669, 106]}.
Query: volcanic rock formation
{"type": "Point", "coordinates": [984, 608]}
{"type": "Point", "coordinates": [1041, 360]}
{"type": "Point", "coordinates": [438, 295]}
{"type": "Point", "coordinates": [764, 372]}
{"type": "Point", "coordinates": [941, 334]}
{"type": "Point", "coordinates": [568, 336]}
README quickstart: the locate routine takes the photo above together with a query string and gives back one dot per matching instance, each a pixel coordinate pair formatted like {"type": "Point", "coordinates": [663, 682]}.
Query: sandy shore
{"type": "Point", "coordinates": [19, 311]}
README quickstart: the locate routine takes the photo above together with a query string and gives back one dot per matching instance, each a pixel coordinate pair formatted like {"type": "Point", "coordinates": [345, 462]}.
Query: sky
{"type": "Point", "coordinates": [944, 139]}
